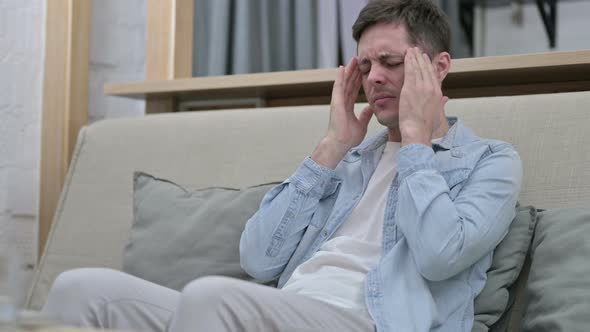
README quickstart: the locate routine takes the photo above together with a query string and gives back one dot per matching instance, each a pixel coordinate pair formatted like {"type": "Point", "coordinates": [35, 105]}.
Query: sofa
{"type": "Point", "coordinates": [247, 147]}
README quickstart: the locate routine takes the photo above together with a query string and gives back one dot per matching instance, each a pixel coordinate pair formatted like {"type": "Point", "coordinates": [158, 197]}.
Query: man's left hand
{"type": "Point", "coordinates": [421, 99]}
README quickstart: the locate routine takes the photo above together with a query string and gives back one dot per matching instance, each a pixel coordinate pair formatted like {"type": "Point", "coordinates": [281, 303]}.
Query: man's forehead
{"type": "Point", "coordinates": [383, 37]}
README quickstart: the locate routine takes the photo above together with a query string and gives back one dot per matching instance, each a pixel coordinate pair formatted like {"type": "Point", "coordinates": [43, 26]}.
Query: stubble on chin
{"type": "Point", "coordinates": [388, 117]}
{"type": "Point", "coordinates": [390, 120]}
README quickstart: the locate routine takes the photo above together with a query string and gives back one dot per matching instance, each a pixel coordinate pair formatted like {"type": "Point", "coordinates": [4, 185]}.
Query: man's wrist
{"type": "Point", "coordinates": [329, 153]}
{"type": "Point", "coordinates": [416, 136]}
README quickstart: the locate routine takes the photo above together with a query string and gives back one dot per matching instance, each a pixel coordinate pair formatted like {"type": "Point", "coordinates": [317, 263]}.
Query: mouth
{"type": "Point", "coordinates": [380, 98]}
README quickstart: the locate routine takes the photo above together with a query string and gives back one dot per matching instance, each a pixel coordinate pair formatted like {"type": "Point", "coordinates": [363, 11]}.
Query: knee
{"type": "Point", "coordinates": [73, 283]}
{"type": "Point", "coordinates": [206, 301]}
{"type": "Point", "coordinates": [76, 289]}
{"type": "Point", "coordinates": [217, 303]}
{"type": "Point", "coordinates": [210, 291]}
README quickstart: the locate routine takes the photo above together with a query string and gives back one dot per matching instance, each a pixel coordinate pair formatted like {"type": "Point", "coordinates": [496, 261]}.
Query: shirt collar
{"type": "Point", "coordinates": [457, 135]}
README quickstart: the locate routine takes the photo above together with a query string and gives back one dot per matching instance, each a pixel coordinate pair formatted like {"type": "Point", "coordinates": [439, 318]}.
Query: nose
{"type": "Point", "coordinates": [376, 75]}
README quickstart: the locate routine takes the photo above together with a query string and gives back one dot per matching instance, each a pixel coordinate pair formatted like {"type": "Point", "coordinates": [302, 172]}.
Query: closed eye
{"type": "Point", "coordinates": [394, 65]}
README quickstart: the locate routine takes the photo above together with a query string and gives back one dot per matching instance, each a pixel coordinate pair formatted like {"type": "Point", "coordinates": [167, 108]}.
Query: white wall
{"type": "Point", "coordinates": [22, 26]}
{"type": "Point", "coordinates": [502, 37]}
{"type": "Point", "coordinates": [117, 53]}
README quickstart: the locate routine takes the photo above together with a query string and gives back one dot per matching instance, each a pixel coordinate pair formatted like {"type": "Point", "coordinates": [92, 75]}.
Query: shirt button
{"type": "Point", "coordinates": [456, 153]}
{"type": "Point", "coordinates": [325, 232]}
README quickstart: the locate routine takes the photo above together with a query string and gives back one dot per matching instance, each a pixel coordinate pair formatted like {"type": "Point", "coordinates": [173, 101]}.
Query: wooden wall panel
{"type": "Point", "coordinates": [65, 99]}
{"type": "Point", "coordinates": [169, 46]}
{"type": "Point", "coordinates": [169, 39]}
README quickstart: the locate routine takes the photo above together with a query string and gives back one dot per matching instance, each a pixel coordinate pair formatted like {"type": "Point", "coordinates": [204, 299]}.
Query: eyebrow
{"type": "Point", "coordinates": [384, 57]}
{"type": "Point", "coordinates": [387, 56]}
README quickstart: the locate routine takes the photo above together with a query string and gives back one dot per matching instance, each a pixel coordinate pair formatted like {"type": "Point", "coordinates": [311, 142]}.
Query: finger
{"type": "Point", "coordinates": [339, 77]}
{"type": "Point", "coordinates": [354, 82]}
{"type": "Point", "coordinates": [409, 73]}
{"type": "Point", "coordinates": [353, 72]}
{"type": "Point", "coordinates": [337, 87]}
{"type": "Point", "coordinates": [416, 65]}
{"type": "Point", "coordinates": [365, 116]}
{"type": "Point", "coordinates": [349, 71]}
{"type": "Point", "coordinates": [421, 67]}
{"type": "Point", "coordinates": [430, 70]}
{"type": "Point", "coordinates": [350, 66]}
{"type": "Point", "coordinates": [354, 90]}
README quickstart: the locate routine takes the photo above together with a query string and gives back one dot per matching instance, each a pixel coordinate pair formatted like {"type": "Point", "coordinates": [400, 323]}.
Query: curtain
{"type": "Point", "coordinates": [349, 10]}
{"type": "Point", "coordinates": [250, 36]}
{"type": "Point", "coordinates": [459, 44]}
{"type": "Point", "coordinates": [328, 51]}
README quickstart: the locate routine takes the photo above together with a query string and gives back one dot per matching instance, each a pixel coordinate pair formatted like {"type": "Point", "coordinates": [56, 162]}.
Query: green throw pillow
{"type": "Point", "coordinates": [507, 263]}
{"type": "Point", "coordinates": [179, 235]}
{"type": "Point", "coordinates": [558, 289]}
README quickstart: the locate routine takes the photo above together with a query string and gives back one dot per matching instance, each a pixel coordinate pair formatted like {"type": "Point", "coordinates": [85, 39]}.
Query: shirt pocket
{"type": "Point", "coordinates": [325, 206]}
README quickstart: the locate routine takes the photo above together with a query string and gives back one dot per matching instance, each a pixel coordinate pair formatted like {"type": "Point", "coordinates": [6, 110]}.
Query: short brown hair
{"type": "Point", "coordinates": [426, 24]}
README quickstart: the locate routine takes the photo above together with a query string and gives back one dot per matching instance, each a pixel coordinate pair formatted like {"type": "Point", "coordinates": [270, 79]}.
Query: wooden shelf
{"type": "Point", "coordinates": [471, 77]}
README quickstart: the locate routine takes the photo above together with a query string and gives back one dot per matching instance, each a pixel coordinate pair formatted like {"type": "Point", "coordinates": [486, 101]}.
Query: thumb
{"type": "Point", "coordinates": [365, 116]}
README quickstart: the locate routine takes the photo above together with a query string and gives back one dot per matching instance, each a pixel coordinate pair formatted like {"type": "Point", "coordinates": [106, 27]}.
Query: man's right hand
{"type": "Point", "coordinates": [345, 130]}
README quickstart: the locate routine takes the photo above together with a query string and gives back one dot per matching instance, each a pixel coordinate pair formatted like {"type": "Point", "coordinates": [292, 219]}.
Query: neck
{"type": "Point", "coordinates": [395, 135]}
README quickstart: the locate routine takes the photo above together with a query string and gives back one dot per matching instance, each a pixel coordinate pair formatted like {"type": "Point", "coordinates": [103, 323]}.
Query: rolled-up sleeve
{"type": "Point", "coordinates": [447, 236]}
{"type": "Point", "coordinates": [273, 233]}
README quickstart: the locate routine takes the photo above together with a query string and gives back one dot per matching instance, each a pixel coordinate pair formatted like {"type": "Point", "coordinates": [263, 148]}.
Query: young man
{"type": "Point", "coordinates": [394, 232]}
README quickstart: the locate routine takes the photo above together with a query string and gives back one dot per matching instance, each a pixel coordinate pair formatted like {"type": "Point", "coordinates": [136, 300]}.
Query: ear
{"type": "Point", "coordinates": [442, 64]}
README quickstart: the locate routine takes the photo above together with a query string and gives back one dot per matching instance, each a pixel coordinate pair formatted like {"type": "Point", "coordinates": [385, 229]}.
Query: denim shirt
{"type": "Point", "coordinates": [447, 208]}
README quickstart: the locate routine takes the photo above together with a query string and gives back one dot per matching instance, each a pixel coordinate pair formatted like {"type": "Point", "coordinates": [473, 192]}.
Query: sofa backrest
{"type": "Point", "coordinates": [239, 148]}
{"type": "Point", "coordinates": [551, 134]}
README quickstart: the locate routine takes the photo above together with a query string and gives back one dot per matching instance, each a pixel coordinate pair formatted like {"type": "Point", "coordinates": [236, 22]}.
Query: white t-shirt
{"type": "Point", "coordinates": [336, 273]}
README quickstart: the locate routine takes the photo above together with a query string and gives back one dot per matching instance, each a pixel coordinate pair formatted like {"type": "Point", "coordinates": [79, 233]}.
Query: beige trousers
{"type": "Point", "coordinates": [111, 299]}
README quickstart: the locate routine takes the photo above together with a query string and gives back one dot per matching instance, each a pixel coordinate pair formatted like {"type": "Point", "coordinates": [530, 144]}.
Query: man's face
{"type": "Point", "coordinates": [381, 51]}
